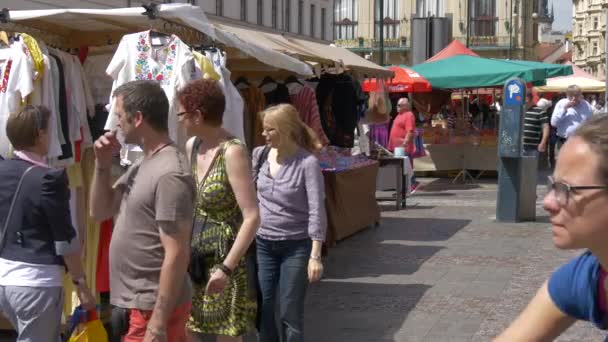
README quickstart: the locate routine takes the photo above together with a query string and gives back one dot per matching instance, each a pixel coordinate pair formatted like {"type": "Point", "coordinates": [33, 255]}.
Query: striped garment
{"type": "Point", "coordinates": [305, 102]}
{"type": "Point", "coordinates": [534, 119]}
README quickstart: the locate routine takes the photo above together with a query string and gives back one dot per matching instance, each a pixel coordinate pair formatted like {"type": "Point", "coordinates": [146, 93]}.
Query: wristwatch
{"type": "Point", "coordinates": [79, 281]}
{"type": "Point", "coordinates": [227, 271]}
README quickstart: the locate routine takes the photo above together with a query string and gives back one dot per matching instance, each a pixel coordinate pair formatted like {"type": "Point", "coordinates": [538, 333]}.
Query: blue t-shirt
{"type": "Point", "coordinates": [574, 289]}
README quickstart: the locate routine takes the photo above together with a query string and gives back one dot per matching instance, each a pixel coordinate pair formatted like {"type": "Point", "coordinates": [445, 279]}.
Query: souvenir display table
{"type": "Point", "coordinates": [350, 196]}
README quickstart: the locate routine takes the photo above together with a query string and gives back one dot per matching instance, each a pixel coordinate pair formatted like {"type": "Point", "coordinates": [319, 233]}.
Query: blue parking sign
{"type": "Point", "coordinates": [514, 93]}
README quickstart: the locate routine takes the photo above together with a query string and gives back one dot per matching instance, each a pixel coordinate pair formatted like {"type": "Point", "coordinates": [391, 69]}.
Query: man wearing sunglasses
{"type": "Point", "coordinates": [569, 113]}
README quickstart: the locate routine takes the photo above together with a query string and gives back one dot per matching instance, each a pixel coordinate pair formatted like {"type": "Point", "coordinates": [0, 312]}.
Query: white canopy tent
{"type": "Point", "coordinates": [86, 27]}
{"type": "Point", "coordinates": [249, 48]}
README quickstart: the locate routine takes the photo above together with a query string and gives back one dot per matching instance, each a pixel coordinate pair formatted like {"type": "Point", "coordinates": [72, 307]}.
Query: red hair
{"type": "Point", "coordinates": [206, 96]}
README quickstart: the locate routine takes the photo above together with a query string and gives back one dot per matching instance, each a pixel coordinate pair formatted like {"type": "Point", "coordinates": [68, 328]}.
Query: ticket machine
{"type": "Point", "coordinates": [517, 171]}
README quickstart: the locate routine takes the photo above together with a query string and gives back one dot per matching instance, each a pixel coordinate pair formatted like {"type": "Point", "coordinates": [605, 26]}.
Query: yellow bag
{"type": "Point", "coordinates": [92, 331]}
{"type": "Point", "coordinates": [86, 327]}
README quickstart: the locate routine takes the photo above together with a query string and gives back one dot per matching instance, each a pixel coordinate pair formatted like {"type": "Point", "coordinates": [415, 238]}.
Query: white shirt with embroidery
{"type": "Point", "coordinates": [16, 83]}
{"type": "Point", "coordinates": [170, 64]}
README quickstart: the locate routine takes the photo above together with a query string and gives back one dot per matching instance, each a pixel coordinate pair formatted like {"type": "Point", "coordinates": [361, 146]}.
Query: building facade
{"type": "Point", "coordinates": [588, 31]}
{"type": "Point", "coordinates": [310, 19]}
{"type": "Point", "coordinates": [491, 28]}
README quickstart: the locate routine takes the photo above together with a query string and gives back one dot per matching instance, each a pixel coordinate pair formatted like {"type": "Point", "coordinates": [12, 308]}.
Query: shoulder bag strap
{"type": "Point", "coordinates": [195, 145]}
{"type": "Point", "coordinates": [10, 210]}
{"type": "Point", "coordinates": [258, 166]}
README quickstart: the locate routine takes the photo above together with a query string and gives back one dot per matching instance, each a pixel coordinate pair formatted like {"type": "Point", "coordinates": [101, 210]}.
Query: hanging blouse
{"type": "Point", "coordinates": [233, 114]}
{"type": "Point", "coordinates": [16, 83]}
{"type": "Point", "coordinates": [170, 64]}
{"type": "Point", "coordinates": [100, 82]}
{"type": "Point", "coordinates": [305, 102]}
{"type": "Point", "coordinates": [204, 67]}
{"type": "Point", "coordinates": [254, 103]}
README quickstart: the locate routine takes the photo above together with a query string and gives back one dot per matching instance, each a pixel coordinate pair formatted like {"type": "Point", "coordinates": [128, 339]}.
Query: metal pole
{"type": "Point", "coordinates": [381, 2]}
{"type": "Point", "coordinates": [511, 31]}
{"type": "Point", "coordinates": [525, 30]}
{"type": "Point", "coordinates": [606, 62]}
{"type": "Point", "coordinates": [468, 21]}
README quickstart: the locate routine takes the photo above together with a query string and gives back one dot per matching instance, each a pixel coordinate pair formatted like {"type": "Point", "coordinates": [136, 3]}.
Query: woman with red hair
{"type": "Point", "coordinates": [226, 217]}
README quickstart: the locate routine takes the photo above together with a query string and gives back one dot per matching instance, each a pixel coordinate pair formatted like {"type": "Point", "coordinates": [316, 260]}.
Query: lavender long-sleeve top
{"type": "Point", "coordinates": [292, 204]}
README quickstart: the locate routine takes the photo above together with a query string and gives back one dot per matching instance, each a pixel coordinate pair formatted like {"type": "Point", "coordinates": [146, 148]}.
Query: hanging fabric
{"type": "Point", "coordinates": [138, 57]}
{"type": "Point", "coordinates": [233, 114]}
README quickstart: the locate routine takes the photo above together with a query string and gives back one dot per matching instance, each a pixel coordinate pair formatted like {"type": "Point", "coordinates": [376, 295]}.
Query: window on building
{"type": "Point", "coordinates": [288, 15]}
{"type": "Point", "coordinates": [219, 7]}
{"type": "Point", "coordinates": [390, 17]}
{"type": "Point", "coordinates": [430, 8]}
{"type": "Point", "coordinates": [594, 51]}
{"type": "Point", "coordinates": [323, 23]}
{"type": "Point", "coordinates": [345, 19]}
{"type": "Point", "coordinates": [596, 23]}
{"type": "Point", "coordinates": [580, 29]}
{"type": "Point", "coordinates": [260, 12]}
{"type": "Point", "coordinates": [274, 14]}
{"type": "Point", "coordinates": [300, 16]}
{"type": "Point", "coordinates": [483, 18]}
{"type": "Point", "coordinates": [243, 10]}
{"type": "Point", "coordinates": [313, 15]}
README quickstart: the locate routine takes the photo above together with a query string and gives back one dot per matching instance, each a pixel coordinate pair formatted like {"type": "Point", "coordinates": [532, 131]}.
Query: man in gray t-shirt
{"type": "Point", "coordinates": [153, 204]}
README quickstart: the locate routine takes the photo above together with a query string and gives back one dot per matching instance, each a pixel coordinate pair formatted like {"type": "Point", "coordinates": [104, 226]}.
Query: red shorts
{"type": "Point", "coordinates": [176, 327]}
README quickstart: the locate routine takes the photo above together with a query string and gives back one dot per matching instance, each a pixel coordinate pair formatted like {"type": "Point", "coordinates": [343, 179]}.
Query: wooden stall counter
{"type": "Point", "coordinates": [350, 201]}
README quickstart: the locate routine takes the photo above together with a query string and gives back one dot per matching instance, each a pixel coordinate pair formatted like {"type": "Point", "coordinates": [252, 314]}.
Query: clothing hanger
{"type": "Point", "coordinates": [292, 79]}
{"type": "Point", "coordinates": [267, 80]}
{"type": "Point", "coordinates": [242, 80]}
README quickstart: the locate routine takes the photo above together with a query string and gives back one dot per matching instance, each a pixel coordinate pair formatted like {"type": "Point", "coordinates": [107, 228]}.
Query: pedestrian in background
{"type": "Point", "coordinates": [569, 113]}
{"type": "Point", "coordinates": [536, 126]}
{"type": "Point", "coordinates": [37, 238]}
{"type": "Point", "coordinates": [576, 202]}
{"type": "Point", "coordinates": [226, 218]}
{"type": "Point", "coordinates": [403, 133]}
{"type": "Point", "coordinates": [291, 195]}
{"type": "Point", "coordinates": [150, 246]}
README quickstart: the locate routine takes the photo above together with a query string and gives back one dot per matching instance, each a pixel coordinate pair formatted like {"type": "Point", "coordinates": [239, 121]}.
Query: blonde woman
{"type": "Point", "coordinates": [291, 197]}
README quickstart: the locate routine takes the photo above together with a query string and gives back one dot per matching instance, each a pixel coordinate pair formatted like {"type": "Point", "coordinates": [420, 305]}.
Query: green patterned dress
{"type": "Point", "coordinates": [233, 312]}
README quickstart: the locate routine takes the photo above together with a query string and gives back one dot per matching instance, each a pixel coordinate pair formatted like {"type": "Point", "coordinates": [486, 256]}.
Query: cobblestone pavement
{"type": "Point", "coordinates": [441, 270]}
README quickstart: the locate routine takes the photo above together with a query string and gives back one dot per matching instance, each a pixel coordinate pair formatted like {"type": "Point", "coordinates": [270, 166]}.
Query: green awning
{"type": "Point", "coordinates": [464, 71]}
{"type": "Point", "coordinates": [553, 70]}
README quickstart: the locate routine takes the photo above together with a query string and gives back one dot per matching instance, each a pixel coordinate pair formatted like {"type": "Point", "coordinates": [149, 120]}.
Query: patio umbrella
{"type": "Point", "coordinates": [465, 71]}
{"type": "Point", "coordinates": [587, 82]}
{"type": "Point", "coordinates": [553, 70]}
{"type": "Point", "coordinates": [405, 81]}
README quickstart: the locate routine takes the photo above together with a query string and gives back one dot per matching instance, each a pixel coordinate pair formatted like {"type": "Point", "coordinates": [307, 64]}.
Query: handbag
{"type": "Point", "coordinates": [10, 210]}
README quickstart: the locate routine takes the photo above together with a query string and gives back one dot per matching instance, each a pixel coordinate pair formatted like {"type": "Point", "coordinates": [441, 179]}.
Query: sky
{"type": "Point", "coordinates": [563, 15]}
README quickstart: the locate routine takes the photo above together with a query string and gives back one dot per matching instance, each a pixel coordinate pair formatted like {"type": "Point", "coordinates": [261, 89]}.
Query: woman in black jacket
{"type": "Point", "coordinates": [37, 239]}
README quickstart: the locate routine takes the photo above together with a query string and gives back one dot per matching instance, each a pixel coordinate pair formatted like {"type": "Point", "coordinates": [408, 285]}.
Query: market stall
{"type": "Point", "coordinates": [467, 140]}
{"type": "Point", "coordinates": [587, 82]}
{"type": "Point", "coordinates": [85, 50]}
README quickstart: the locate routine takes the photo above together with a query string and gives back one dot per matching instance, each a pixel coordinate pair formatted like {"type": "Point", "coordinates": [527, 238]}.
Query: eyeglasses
{"type": "Point", "coordinates": [563, 190]}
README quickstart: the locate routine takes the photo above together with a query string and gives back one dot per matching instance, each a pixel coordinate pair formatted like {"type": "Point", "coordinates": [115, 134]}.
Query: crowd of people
{"type": "Point", "coordinates": [215, 242]}
{"type": "Point", "coordinates": [203, 243]}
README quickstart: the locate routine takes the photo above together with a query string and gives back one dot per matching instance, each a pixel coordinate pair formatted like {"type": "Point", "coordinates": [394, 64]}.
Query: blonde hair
{"type": "Point", "coordinates": [286, 120]}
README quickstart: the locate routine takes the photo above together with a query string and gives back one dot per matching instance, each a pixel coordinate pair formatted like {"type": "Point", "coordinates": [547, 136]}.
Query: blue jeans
{"type": "Point", "coordinates": [283, 265]}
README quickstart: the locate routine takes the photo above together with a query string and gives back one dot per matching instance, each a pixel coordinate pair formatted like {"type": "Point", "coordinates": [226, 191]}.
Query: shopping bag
{"type": "Point", "coordinates": [419, 145]}
{"type": "Point", "coordinates": [85, 326]}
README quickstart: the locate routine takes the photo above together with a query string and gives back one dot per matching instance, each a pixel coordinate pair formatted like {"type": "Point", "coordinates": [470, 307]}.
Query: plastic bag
{"type": "Point", "coordinates": [419, 144]}
{"type": "Point", "coordinates": [84, 326]}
